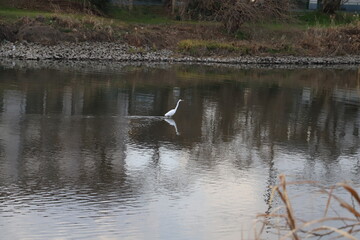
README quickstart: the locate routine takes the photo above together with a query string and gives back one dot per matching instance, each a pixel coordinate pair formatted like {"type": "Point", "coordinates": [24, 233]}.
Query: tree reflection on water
{"type": "Point", "coordinates": [312, 110]}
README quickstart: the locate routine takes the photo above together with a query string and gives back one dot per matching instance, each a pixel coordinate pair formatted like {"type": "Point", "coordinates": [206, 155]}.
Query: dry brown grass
{"type": "Point", "coordinates": [289, 226]}
{"type": "Point", "coordinates": [339, 40]}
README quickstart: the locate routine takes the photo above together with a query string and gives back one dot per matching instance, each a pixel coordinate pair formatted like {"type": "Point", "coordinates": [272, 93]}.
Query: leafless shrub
{"type": "Point", "coordinates": [289, 226]}
{"type": "Point", "coordinates": [199, 9]}
{"type": "Point", "coordinates": [234, 13]}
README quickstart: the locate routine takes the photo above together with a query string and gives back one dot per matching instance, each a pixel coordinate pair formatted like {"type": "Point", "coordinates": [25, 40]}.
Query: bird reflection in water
{"type": "Point", "coordinates": [172, 123]}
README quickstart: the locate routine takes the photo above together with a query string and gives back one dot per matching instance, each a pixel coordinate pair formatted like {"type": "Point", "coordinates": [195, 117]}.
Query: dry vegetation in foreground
{"type": "Point", "coordinates": [335, 223]}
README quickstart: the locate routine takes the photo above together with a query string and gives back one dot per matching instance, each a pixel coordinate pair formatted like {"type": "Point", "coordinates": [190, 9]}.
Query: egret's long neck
{"type": "Point", "coordinates": [177, 105]}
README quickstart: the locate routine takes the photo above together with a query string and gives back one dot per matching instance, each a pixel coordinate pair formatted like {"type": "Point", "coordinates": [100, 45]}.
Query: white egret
{"type": "Point", "coordinates": [173, 111]}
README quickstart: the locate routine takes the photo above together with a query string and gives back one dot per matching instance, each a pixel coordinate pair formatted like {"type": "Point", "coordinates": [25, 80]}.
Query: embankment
{"type": "Point", "coordinates": [84, 51]}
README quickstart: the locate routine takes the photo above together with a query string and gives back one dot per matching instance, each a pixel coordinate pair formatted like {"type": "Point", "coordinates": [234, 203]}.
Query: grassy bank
{"type": "Point", "coordinates": [305, 34]}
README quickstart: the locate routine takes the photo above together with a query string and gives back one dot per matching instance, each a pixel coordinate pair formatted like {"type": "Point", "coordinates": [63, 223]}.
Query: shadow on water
{"type": "Point", "coordinates": [95, 137]}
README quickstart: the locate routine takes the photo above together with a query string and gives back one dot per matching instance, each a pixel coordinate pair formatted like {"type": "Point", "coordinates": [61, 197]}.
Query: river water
{"type": "Point", "coordinates": [86, 154]}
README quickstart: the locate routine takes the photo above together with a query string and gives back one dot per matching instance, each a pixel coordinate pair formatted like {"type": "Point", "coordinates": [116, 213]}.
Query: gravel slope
{"type": "Point", "coordinates": [120, 52]}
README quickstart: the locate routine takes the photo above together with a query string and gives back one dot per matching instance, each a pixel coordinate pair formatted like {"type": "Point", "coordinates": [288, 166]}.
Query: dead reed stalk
{"type": "Point", "coordinates": [344, 224]}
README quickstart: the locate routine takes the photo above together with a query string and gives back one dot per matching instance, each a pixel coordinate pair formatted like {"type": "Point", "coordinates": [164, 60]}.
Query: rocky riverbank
{"type": "Point", "coordinates": [106, 51]}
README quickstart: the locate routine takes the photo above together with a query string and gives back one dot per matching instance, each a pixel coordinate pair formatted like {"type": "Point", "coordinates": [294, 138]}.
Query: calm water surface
{"type": "Point", "coordinates": [85, 153]}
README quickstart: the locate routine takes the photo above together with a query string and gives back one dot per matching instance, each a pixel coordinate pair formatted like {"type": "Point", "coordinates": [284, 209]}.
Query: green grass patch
{"type": "Point", "coordinates": [68, 19]}
{"type": "Point", "coordinates": [276, 26]}
{"type": "Point", "coordinates": [65, 30]}
{"type": "Point", "coordinates": [240, 35]}
{"type": "Point", "coordinates": [13, 14]}
{"type": "Point", "coordinates": [316, 18]}
{"type": "Point", "coordinates": [207, 47]}
{"type": "Point", "coordinates": [287, 49]}
{"type": "Point", "coordinates": [210, 45]}
{"type": "Point", "coordinates": [302, 20]}
{"type": "Point", "coordinates": [141, 14]}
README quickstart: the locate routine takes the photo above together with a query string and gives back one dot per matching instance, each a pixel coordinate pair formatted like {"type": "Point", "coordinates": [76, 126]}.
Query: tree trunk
{"type": "Point", "coordinates": [173, 2]}
{"type": "Point", "coordinates": [330, 6]}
